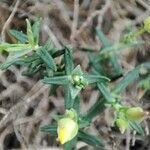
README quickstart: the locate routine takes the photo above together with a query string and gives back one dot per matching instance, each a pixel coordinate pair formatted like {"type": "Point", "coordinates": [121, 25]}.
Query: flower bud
{"type": "Point", "coordinates": [136, 113]}
{"type": "Point", "coordinates": [79, 81]}
{"type": "Point", "coordinates": [71, 113]}
{"type": "Point", "coordinates": [147, 24]}
{"type": "Point", "coordinates": [76, 79]}
{"type": "Point", "coordinates": [122, 125]}
{"type": "Point", "coordinates": [67, 130]}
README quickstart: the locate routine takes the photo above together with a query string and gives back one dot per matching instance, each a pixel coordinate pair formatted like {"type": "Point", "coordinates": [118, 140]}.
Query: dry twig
{"type": "Point", "coordinates": [9, 20]}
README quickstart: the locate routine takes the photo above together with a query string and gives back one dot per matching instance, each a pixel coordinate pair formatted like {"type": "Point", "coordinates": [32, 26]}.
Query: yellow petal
{"type": "Point", "coordinates": [67, 130]}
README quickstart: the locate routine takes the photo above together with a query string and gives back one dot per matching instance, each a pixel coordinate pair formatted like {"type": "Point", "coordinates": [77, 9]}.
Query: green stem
{"type": "Point", "coordinates": [139, 32]}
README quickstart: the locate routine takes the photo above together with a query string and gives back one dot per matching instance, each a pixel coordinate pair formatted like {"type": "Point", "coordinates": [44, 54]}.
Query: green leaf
{"type": "Point", "coordinates": [13, 58]}
{"type": "Point", "coordinates": [18, 54]}
{"type": "Point", "coordinates": [106, 92]}
{"type": "Point", "coordinates": [128, 78]}
{"type": "Point", "coordinates": [33, 68]}
{"type": "Point", "coordinates": [60, 80]}
{"type": "Point", "coordinates": [69, 101]}
{"type": "Point", "coordinates": [56, 117]}
{"type": "Point", "coordinates": [145, 83]}
{"type": "Point", "coordinates": [83, 123]}
{"type": "Point", "coordinates": [74, 91]}
{"type": "Point", "coordinates": [3, 46]}
{"type": "Point", "coordinates": [102, 38]}
{"type": "Point", "coordinates": [95, 109]}
{"type": "Point", "coordinates": [46, 57]}
{"type": "Point", "coordinates": [52, 129]}
{"type": "Point", "coordinates": [30, 71]}
{"type": "Point", "coordinates": [95, 78]}
{"type": "Point", "coordinates": [30, 33]}
{"type": "Point", "coordinates": [13, 47]}
{"type": "Point", "coordinates": [7, 64]}
{"type": "Point", "coordinates": [49, 46]}
{"type": "Point", "coordinates": [76, 105]}
{"type": "Point", "coordinates": [77, 71]}
{"type": "Point", "coordinates": [53, 89]}
{"type": "Point", "coordinates": [113, 59]}
{"type": "Point", "coordinates": [119, 47]}
{"type": "Point", "coordinates": [71, 144]}
{"type": "Point", "coordinates": [68, 60]}
{"type": "Point", "coordinates": [30, 59]}
{"type": "Point", "coordinates": [17, 47]}
{"type": "Point", "coordinates": [36, 30]}
{"type": "Point", "coordinates": [58, 53]}
{"type": "Point", "coordinates": [137, 127]}
{"type": "Point", "coordinates": [90, 139]}
{"type": "Point", "coordinates": [20, 36]}
{"type": "Point", "coordinates": [116, 66]}
{"type": "Point", "coordinates": [93, 62]}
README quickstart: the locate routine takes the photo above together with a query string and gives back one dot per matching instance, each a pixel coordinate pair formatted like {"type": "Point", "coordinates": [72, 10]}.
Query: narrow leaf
{"type": "Point", "coordinates": [20, 36]}
{"type": "Point", "coordinates": [106, 93]}
{"type": "Point", "coordinates": [36, 30]}
{"type": "Point", "coordinates": [68, 60]}
{"type": "Point", "coordinates": [59, 80]}
{"type": "Point", "coordinates": [46, 57]}
{"type": "Point", "coordinates": [74, 91]}
{"type": "Point", "coordinates": [58, 53]}
{"type": "Point", "coordinates": [95, 78]}
{"type": "Point", "coordinates": [71, 144]}
{"type": "Point", "coordinates": [76, 105]}
{"type": "Point", "coordinates": [17, 54]}
{"type": "Point", "coordinates": [77, 71]}
{"type": "Point", "coordinates": [18, 47]}
{"type": "Point", "coordinates": [119, 47]}
{"type": "Point", "coordinates": [116, 65]}
{"type": "Point", "coordinates": [33, 68]}
{"type": "Point", "coordinates": [128, 78]}
{"type": "Point", "coordinates": [13, 58]}
{"type": "Point", "coordinates": [95, 109]}
{"type": "Point", "coordinates": [137, 127]}
{"type": "Point", "coordinates": [30, 33]}
{"type": "Point", "coordinates": [7, 64]}
{"type": "Point", "coordinates": [102, 38]}
{"type": "Point", "coordinates": [52, 129]}
{"type": "Point", "coordinates": [90, 139]}
{"type": "Point", "coordinates": [69, 101]}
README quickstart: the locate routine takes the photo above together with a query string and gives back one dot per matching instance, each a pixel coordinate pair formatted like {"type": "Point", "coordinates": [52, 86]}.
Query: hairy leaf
{"type": "Point", "coordinates": [90, 139]}
{"type": "Point", "coordinates": [52, 129]}
{"type": "Point", "coordinates": [36, 30]}
{"type": "Point", "coordinates": [95, 78]}
{"type": "Point", "coordinates": [60, 80]}
{"type": "Point", "coordinates": [20, 36]}
{"type": "Point", "coordinates": [46, 57]}
{"type": "Point", "coordinates": [68, 60]}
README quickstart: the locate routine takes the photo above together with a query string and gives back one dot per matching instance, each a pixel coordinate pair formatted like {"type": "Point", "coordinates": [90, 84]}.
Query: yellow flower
{"type": "Point", "coordinates": [147, 24]}
{"type": "Point", "coordinates": [136, 114]}
{"type": "Point", "coordinates": [67, 130]}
